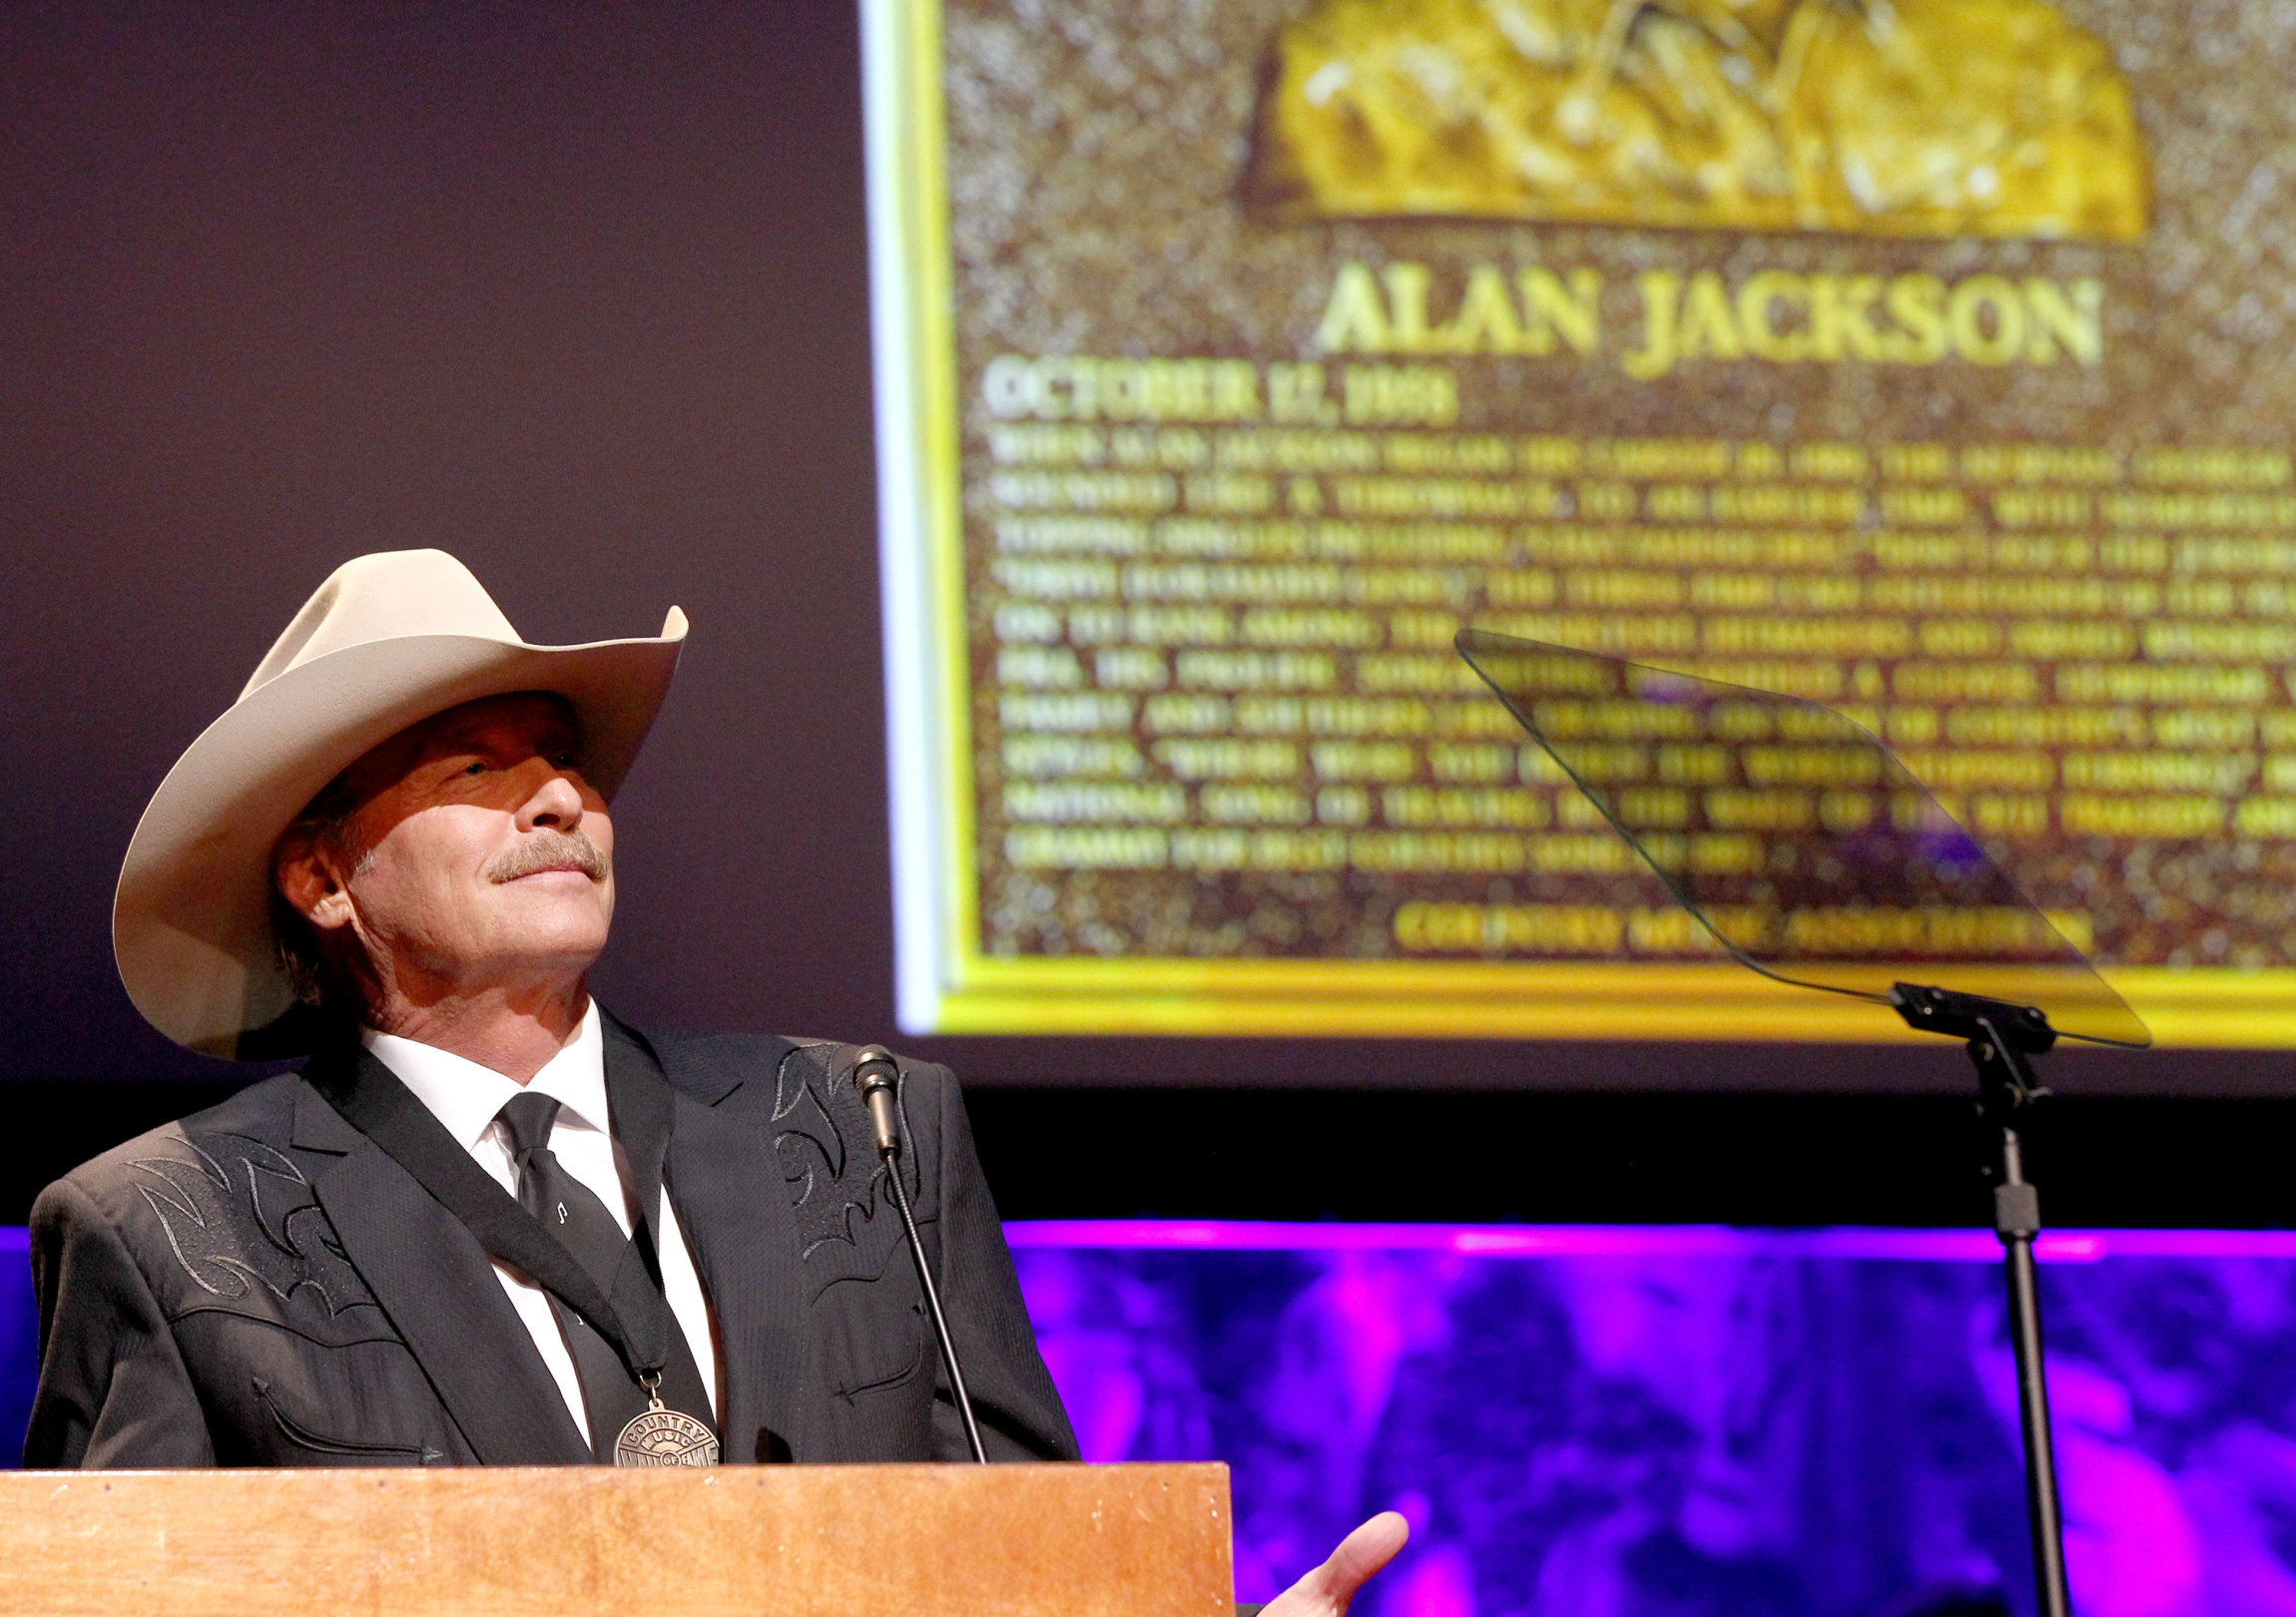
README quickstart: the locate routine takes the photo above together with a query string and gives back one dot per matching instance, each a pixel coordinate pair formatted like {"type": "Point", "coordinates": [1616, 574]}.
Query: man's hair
{"type": "Point", "coordinates": [317, 983]}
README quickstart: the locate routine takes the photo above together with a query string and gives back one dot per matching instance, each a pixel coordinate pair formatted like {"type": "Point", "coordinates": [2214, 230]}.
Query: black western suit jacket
{"type": "Point", "coordinates": [260, 1284]}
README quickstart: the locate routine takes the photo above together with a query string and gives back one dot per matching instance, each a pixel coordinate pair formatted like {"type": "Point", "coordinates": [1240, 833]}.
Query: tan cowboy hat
{"type": "Point", "coordinates": [386, 641]}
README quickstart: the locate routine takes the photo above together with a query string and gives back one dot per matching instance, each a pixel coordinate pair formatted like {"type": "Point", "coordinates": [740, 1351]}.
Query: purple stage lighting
{"type": "Point", "coordinates": [1696, 1421]}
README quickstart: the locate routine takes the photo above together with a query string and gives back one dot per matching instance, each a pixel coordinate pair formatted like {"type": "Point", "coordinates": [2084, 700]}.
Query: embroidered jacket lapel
{"type": "Point", "coordinates": [437, 1285]}
{"type": "Point", "coordinates": [721, 1176]}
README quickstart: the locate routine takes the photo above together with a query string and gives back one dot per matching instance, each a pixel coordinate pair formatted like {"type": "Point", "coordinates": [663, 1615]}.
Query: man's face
{"type": "Point", "coordinates": [473, 856]}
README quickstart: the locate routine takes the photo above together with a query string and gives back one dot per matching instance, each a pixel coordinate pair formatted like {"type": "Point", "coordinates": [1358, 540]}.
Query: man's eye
{"type": "Point", "coordinates": [564, 760]}
{"type": "Point", "coordinates": [475, 769]}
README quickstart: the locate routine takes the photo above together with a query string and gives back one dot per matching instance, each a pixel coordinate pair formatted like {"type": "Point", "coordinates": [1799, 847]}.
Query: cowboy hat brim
{"type": "Point", "coordinates": [191, 921]}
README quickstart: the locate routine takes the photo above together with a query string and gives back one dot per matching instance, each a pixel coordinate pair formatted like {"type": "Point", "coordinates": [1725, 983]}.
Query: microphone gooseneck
{"type": "Point", "coordinates": [877, 1079]}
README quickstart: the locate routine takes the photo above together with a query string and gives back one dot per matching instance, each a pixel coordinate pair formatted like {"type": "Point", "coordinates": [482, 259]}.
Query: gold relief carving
{"type": "Point", "coordinates": [1902, 117]}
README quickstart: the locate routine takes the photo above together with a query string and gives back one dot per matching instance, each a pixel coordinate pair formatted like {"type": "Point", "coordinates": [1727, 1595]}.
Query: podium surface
{"type": "Point", "coordinates": [764, 1541]}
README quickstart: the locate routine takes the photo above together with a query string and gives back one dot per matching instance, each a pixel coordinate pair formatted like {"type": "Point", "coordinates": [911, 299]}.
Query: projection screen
{"type": "Point", "coordinates": [1925, 359]}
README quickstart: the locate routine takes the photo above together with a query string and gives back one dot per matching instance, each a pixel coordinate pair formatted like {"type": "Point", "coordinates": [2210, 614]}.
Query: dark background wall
{"type": "Point", "coordinates": [576, 292]}
{"type": "Point", "coordinates": [580, 293]}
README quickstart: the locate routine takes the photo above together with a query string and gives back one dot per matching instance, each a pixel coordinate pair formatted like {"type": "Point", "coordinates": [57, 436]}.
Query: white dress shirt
{"type": "Point", "coordinates": [467, 1098]}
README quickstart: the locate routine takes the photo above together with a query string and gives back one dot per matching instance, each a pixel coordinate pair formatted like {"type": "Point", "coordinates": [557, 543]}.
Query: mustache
{"type": "Point", "coordinates": [548, 849]}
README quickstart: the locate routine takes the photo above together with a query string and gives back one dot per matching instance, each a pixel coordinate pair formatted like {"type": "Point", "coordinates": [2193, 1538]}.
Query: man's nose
{"type": "Point", "coordinates": [555, 804]}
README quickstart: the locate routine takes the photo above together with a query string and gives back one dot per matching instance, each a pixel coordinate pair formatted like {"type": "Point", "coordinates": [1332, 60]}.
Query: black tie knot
{"type": "Point", "coordinates": [529, 1118]}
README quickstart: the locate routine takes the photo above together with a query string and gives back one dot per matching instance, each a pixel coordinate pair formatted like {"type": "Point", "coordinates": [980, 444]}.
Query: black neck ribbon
{"type": "Point", "coordinates": [636, 1318]}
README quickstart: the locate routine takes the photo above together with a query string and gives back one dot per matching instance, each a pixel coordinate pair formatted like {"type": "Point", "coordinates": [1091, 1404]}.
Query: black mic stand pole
{"type": "Point", "coordinates": [2003, 1039]}
{"type": "Point", "coordinates": [879, 1081]}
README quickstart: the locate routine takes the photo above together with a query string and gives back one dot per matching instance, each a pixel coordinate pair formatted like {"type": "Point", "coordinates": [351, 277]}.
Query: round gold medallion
{"type": "Point", "coordinates": [666, 1437]}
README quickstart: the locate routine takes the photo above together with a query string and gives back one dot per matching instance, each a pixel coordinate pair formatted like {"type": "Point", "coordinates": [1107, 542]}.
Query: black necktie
{"type": "Point", "coordinates": [610, 1392]}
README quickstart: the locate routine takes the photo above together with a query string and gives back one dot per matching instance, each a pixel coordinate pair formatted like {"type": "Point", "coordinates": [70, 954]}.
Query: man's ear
{"type": "Point", "coordinates": [310, 871]}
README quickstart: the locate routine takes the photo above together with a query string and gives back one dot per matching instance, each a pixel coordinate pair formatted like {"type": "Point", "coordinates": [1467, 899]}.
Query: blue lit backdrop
{"type": "Point", "coordinates": [1674, 1422]}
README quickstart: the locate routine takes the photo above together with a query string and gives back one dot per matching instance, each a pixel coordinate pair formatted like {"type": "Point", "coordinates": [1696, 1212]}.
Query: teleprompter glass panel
{"type": "Point", "coordinates": [1795, 836]}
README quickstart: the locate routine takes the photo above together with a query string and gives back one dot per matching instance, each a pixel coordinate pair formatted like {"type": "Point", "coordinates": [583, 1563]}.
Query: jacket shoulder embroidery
{"type": "Point", "coordinates": [248, 1237]}
{"type": "Point", "coordinates": [821, 1137]}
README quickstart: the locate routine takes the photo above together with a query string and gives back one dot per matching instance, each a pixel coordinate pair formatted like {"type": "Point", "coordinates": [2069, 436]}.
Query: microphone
{"type": "Point", "coordinates": [877, 1078]}
{"type": "Point", "coordinates": [879, 1081]}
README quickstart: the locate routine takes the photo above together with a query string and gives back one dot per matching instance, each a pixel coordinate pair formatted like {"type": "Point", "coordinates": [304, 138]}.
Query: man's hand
{"type": "Point", "coordinates": [1325, 1591]}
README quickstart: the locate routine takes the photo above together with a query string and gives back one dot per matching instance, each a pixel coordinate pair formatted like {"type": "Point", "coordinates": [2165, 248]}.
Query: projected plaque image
{"type": "Point", "coordinates": [1926, 360]}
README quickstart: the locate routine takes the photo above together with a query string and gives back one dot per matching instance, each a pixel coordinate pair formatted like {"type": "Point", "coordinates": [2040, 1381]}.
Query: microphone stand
{"type": "Point", "coordinates": [879, 1081]}
{"type": "Point", "coordinates": [2003, 1039]}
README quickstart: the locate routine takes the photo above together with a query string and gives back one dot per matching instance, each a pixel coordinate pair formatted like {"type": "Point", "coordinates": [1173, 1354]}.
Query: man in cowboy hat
{"type": "Point", "coordinates": [394, 853]}
{"type": "Point", "coordinates": [485, 1221]}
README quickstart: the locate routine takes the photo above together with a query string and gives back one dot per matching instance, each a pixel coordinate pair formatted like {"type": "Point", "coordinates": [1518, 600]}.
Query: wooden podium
{"type": "Point", "coordinates": [758, 1540]}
